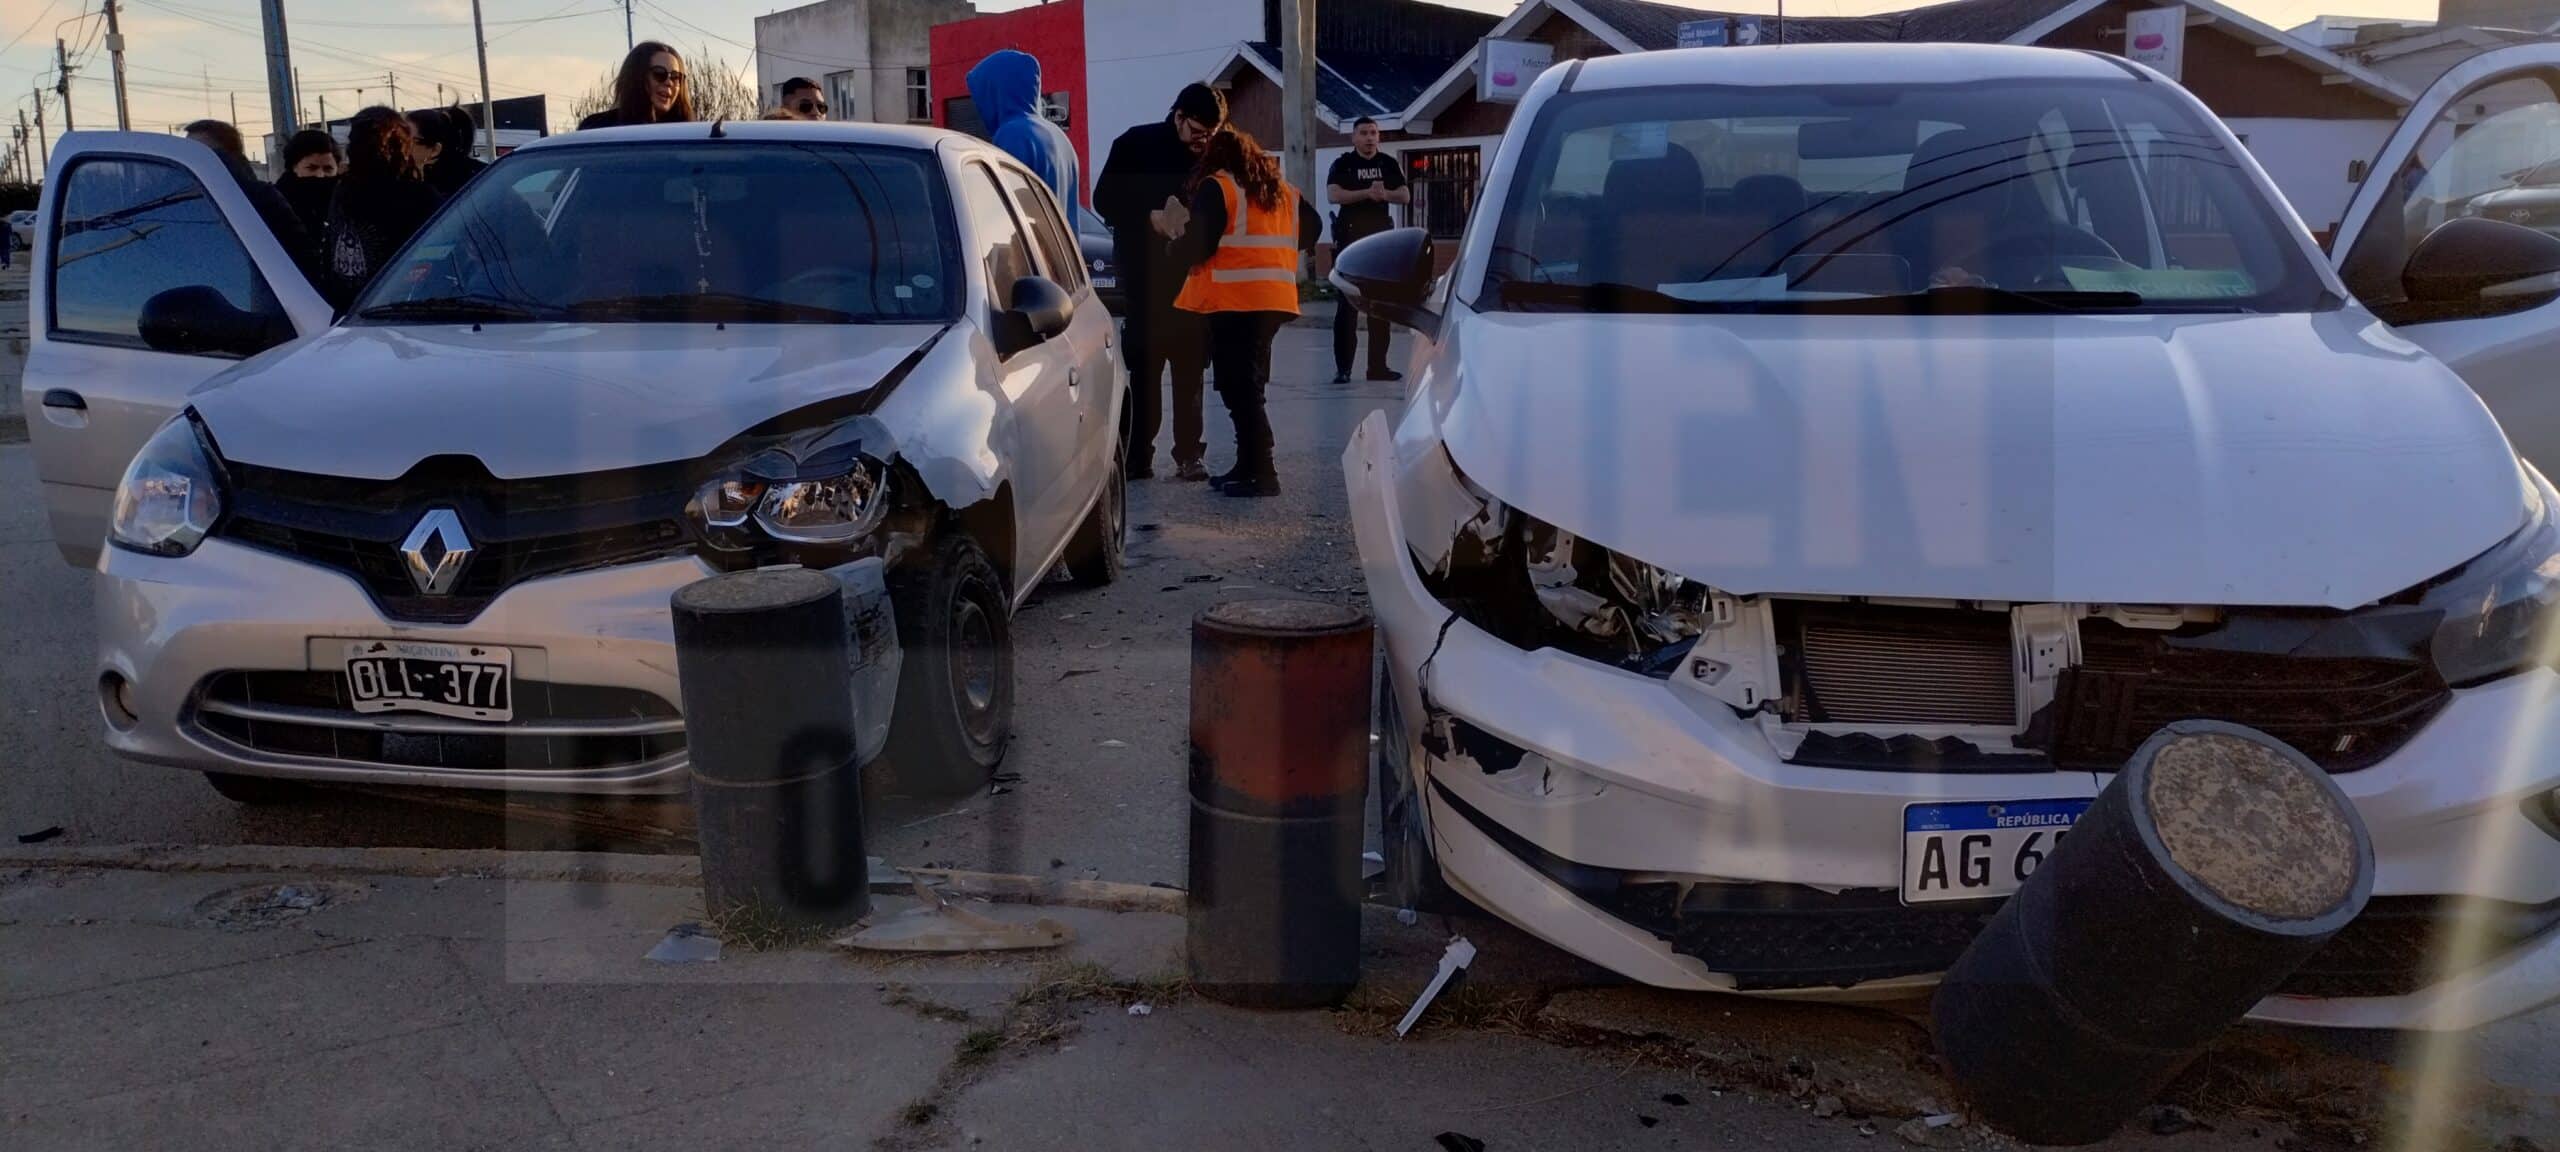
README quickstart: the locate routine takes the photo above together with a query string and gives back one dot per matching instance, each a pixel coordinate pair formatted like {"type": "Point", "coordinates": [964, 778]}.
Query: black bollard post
{"type": "Point", "coordinates": [1279, 782]}
{"type": "Point", "coordinates": [2209, 869]}
{"type": "Point", "coordinates": [765, 667]}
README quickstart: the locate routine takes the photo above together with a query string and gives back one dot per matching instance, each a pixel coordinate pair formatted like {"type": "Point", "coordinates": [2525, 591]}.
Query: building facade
{"type": "Point", "coordinates": [872, 58]}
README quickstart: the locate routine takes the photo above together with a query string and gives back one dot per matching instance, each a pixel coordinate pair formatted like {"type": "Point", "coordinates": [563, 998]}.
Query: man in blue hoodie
{"type": "Point", "coordinates": [1006, 88]}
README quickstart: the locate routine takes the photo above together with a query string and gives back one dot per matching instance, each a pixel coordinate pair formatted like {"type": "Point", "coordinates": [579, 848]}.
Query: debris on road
{"type": "Point", "coordinates": [686, 943]}
{"type": "Point", "coordinates": [2170, 1120]}
{"type": "Point", "coordinates": [1647, 1121]}
{"type": "Point", "coordinates": [941, 926]}
{"type": "Point", "coordinates": [1142, 1009]}
{"type": "Point", "coordinates": [1826, 1107]}
{"type": "Point", "coordinates": [41, 835]}
{"type": "Point", "coordinates": [1202, 578]}
{"type": "Point", "coordinates": [1675, 1099]}
{"type": "Point", "coordinates": [1072, 673]}
{"type": "Point", "coordinates": [1453, 961]}
{"type": "Point", "coordinates": [1937, 1131]}
{"type": "Point", "coordinates": [1458, 1142]}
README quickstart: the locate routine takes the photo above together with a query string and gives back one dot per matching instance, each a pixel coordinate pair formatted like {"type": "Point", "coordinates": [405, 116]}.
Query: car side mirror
{"type": "Point", "coordinates": [2469, 268]}
{"type": "Point", "coordinates": [197, 321]}
{"type": "Point", "coordinates": [1040, 311]}
{"type": "Point", "coordinates": [1389, 276]}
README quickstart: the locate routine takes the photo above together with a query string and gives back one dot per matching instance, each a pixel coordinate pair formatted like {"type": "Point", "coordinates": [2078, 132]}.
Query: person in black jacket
{"type": "Point", "coordinates": [310, 180]}
{"type": "Point", "coordinates": [650, 88]}
{"type": "Point", "coordinates": [444, 147]}
{"type": "Point", "coordinates": [382, 201]}
{"type": "Point", "coordinates": [273, 210]}
{"type": "Point", "coordinates": [1148, 166]}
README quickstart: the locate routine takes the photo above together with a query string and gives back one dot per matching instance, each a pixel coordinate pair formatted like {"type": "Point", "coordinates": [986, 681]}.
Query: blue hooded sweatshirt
{"type": "Point", "coordinates": [1006, 88]}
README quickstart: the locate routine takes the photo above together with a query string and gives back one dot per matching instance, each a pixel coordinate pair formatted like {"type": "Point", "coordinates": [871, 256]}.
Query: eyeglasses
{"type": "Point", "coordinates": [665, 75]}
{"type": "Point", "coordinates": [809, 106]}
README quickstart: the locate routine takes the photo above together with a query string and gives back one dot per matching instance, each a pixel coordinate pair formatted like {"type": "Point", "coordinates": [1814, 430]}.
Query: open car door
{"type": "Point", "coordinates": [2452, 243]}
{"type": "Point", "coordinates": [153, 273]}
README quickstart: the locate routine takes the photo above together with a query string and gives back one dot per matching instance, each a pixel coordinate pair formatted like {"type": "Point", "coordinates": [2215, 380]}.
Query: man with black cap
{"type": "Point", "coordinates": [1145, 174]}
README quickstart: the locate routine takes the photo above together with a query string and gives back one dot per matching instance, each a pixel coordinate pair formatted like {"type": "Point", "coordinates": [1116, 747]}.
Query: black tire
{"type": "Point", "coordinates": [257, 791]}
{"type": "Point", "coordinates": [1094, 555]}
{"type": "Point", "coordinates": [955, 694]}
{"type": "Point", "coordinates": [1413, 878]}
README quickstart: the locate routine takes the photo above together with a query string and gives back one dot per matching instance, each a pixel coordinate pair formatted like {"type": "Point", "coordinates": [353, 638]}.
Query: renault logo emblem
{"type": "Point", "coordinates": [436, 551]}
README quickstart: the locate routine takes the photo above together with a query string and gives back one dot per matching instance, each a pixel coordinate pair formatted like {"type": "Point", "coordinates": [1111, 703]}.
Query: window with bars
{"type": "Point", "coordinates": [1445, 182]}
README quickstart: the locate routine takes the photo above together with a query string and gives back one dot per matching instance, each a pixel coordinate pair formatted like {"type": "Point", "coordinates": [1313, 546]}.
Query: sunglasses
{"type": "Point", "coordinates": [665, 75]}
{"type": "Point", "coordinates": [809, 106]}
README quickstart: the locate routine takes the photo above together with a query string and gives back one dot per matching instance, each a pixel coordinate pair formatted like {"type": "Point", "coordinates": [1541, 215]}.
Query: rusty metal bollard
{"type": "Point", "coordinates": [2208, 870]}
{"type": "Point", "coordinates": [1279, 782]}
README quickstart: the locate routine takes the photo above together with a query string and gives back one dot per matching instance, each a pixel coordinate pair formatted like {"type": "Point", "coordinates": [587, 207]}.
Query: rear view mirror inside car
{"type": "Point", "coordinates": [1857, 138]}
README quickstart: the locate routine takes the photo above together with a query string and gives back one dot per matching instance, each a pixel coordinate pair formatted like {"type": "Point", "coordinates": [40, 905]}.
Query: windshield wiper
{"type": "Point", "coordinates": [708, 306]}
{"type": "Point", "coordinates": [1976, 299]}
{"type": "Point", "coordinates": [457, 308]}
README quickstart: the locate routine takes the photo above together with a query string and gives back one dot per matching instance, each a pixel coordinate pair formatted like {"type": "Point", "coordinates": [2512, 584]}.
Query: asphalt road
{"type": "Point", "coordinates": [1102, 686]}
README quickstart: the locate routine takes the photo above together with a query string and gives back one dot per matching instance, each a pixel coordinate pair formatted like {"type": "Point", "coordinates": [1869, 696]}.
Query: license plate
{"type": "Point", "coordinates": [1104, 280]}
{"type": "Point", "coordinates": [1979, 851]}
{"type": "Point", "coordinates": [464, 681]}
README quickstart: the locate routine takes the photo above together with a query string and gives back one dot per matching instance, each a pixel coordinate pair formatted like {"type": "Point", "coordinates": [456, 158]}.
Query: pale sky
{"type": "Point", "coordinates": [186, 59]}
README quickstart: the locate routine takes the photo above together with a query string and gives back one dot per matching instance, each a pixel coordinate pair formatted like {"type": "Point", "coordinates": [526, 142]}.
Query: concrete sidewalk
{"type": "Point", "coordinates": [323, 1007]}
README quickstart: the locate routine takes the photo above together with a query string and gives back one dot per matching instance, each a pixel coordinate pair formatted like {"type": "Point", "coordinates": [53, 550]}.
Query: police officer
{"type": "Point", "coordinates": [1363, 182]}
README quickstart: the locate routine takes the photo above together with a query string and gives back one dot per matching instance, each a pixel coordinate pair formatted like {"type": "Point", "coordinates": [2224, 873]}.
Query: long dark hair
{"type": "Point", "coordinates": [631, 87]}
{"type": "Point", "coordinates": [1234, 151]}
{"type": "Point", "coordinates": [378, 147]}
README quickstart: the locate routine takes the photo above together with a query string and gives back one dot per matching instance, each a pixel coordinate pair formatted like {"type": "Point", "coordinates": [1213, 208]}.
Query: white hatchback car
{"type": "Point", "coordinates": [432, 542]}
{"type": "Point", "coordinates": [1826, 464]}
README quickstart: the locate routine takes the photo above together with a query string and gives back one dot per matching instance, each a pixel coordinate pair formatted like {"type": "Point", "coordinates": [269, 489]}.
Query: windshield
{"type": "Point", "coordinates": [1976, 197]}
{"type": "Point", "coordinates": [700, 231]}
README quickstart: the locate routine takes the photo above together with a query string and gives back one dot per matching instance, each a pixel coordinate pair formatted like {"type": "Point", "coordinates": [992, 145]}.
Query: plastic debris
{"type": "Point", "coordinates": [1203, 578]}
{"type": "Point", "coordinates": [41, 835]}
{"type": "Point", "coordinates": [1454, 960]}
{"type": "Point", "coordinates": [1458, 1142]}
{"type": "Point", "coordinates": [686, 943]}
{"type": "Point", "coordinates": [1936, 1131]}
{"type": "Point", "coordinates": [295, 898]}
{"type": "Point", "coordinates": [1142, 1009]}
{"type": "Point", "coordinates": [1115, 743]}
{"type": "Point", "coordinates": [941, 926]}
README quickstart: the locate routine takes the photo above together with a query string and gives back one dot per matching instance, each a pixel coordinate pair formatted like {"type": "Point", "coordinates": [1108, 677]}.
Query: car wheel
{"type": "Point", "coordinates": [1413, 877]}
{"type": "Point", "coordinates": [1100, 543]}
{"type": "Point", "coordinates": [257, 791]}
{"type": "Point", "coordinates": [955, 696]}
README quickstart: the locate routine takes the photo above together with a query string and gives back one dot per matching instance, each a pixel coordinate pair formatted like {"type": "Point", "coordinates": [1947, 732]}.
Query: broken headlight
{"type": "Point", "coordinates": [2497, 606]}
{"type": "Point", "coordinates": [1636, 614]}
{"type": "Point", "coordinates": [835, 498]}
{"type": "Point", "coordinates": [170, 495]}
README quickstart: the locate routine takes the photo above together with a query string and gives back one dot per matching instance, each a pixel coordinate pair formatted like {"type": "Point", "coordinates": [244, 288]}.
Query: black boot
{"type": "Point", "coordinates": [1251, 486]}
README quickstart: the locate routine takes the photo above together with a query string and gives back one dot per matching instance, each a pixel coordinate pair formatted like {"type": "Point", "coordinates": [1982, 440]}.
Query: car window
{"type": "Point", "coordinates": [134, 228]}
{"type": "Point", "coordinates": [750, 231]}
{"type": "Point", "coordinates": [1058, 253]}
{"type": "Point", "coordinates": [1719, 198]}
{"type": "Point", "coordinates": [1001, 248]}
{"type": "Point", "coordinates": [2495, 166]}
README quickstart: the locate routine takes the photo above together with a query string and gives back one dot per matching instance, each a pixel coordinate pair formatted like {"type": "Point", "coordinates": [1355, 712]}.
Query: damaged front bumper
{"type": "Point", "coordinates": [1656, 833]}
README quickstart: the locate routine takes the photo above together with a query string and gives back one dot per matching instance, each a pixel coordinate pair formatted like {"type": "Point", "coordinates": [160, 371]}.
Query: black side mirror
{"type": "Point", "coordinates": [2470, 267]}
{"type": "Point", "coordinates": [1388, 276]}
{"type": "Point", "coordinates": [197, 321]}
{"type": "Point", "coordinates": [1040, 312]}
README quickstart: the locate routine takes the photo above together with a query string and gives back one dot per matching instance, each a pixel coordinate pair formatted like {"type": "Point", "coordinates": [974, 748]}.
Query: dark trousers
{"type": "Point", "coordinates": [1346, 338]}
{"type": "Point", "coordinates": [1153, 339]}
{"type": "Point", "coordinates": [1240, 357]}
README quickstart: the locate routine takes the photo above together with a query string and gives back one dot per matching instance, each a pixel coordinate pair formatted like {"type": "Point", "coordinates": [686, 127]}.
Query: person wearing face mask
{"type": "Point", "coordinates": [801, 100]}
{"type": "Point", "coordinates": [443, 147]}
{"type": "Point", "coordinates": [311, 165]}
{"type": "Point", "coordinates": [650, 88]}
{"type": "Point", "coordinates": [1148, 167]}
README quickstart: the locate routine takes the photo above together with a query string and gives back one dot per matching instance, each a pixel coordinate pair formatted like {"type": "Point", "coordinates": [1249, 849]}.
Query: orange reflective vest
{"type": "Point", "coordinates": [1255, 268]}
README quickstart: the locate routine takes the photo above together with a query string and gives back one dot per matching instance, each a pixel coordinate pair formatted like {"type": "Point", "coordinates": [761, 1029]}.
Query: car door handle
{"type": "Point", "coordinates": [66, 399]}
{"type": "Point", "coordinates": [1075, 378]}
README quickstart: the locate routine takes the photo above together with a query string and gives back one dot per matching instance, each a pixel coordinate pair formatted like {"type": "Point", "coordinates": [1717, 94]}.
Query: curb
{"type": "Point", "coordinates": [556, 867]}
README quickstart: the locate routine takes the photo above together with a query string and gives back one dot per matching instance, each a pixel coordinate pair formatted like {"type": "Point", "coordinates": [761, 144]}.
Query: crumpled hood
{"type": "Point", "coordinates": [2268, 460]}
{"type": "Point", "coordinates": [534, 399]}
{"type": "Point", "coordinates": [1006, 87]}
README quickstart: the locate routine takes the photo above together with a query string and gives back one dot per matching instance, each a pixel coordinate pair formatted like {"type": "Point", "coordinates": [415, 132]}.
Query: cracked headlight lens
{"type": "Point", "coordinates": [170, 495]}
{"type": "Point", "coordinates": [2497, 607]}
{"type": "Point", "coordinates": [836, 509]}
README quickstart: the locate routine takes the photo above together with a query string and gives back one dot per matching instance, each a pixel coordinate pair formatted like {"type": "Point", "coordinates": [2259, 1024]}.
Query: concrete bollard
{"type": "Point", "coordinates": [2214, 864]}
{"type": "Point", "coordinates": [764, 662]}
{"type": "Point", "coordinates": [1279, 783]}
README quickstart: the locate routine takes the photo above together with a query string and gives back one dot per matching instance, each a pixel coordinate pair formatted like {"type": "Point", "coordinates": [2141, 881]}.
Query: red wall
{"type": "Point", "coordinates": [1053, 33]}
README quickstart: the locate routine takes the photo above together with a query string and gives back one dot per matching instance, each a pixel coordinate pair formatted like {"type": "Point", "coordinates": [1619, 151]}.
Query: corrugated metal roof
{"type": "Point", "coordinates": [1654, 26]}
{"type": "Point", "coordinates": [1355, 84]}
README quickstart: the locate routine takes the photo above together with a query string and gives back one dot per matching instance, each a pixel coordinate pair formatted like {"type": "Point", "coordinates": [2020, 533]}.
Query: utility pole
{"type": "Point", "coordinates": [394, 78]}
{"type": "Point", "coordinates": [324, 111]}
{"type": "Point", "coordinates": [296, 102]}
{"type": "Point", "coordinates": [1298, 95]}
{"type": "Point", "coordinates": [628, 40]}
{"type": "Point", "coordinates": [235, 109]}
{"type": "Point", "coordinates": [488, 128]}
{"type": "Point", "coordinates": [62, 81]}
{"type": "Point", "coordinates": [284, 85]}
{"type": "Point", "coordinates": [22, 141]}
{"type": "Point", "coordinates": [43, 154]}
{"type": "Point", "coordinates": [115, 52]}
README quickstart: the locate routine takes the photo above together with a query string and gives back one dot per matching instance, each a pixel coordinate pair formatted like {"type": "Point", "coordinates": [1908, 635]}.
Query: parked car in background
{"type": "Point", "coordinates": [22, 225]}
{"type": "Point", "coordinates": [2531, 198]}
{"type": "Point", "coordinates": [1095, 242]}
{"type": "Point", "coordinates": [1826, 463]}
{"type": "Point", "coordinates": [434, 543]}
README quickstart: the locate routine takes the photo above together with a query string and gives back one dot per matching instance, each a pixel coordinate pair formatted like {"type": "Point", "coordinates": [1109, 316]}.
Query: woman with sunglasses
{"type": "Point", "coordinates": [650, 89]}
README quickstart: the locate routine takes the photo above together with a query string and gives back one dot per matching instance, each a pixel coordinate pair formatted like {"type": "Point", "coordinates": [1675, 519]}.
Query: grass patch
{"type": "Point", "coordinates": [752, 928]}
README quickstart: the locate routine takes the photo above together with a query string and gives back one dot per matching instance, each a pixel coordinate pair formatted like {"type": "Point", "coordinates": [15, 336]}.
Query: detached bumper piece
{"type": "Point", "coordinates": [558, 727]}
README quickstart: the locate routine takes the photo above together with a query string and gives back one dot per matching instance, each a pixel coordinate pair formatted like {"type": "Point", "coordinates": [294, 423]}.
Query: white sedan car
{"type": "Point", "coordinates": [432, 541]}
{"type": "Point", "coordinates": [1827, 463]}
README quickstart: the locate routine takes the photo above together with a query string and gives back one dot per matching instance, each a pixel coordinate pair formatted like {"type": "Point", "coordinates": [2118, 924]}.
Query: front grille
{"type": "Point", "coordinates": [521, 530]}
{"type": "Point", "coordinates": [2344, 713]}
{"type": "Point", "coordinates": [558, 727]}
{"type": "Point", "coordinates": [1865, 664]}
